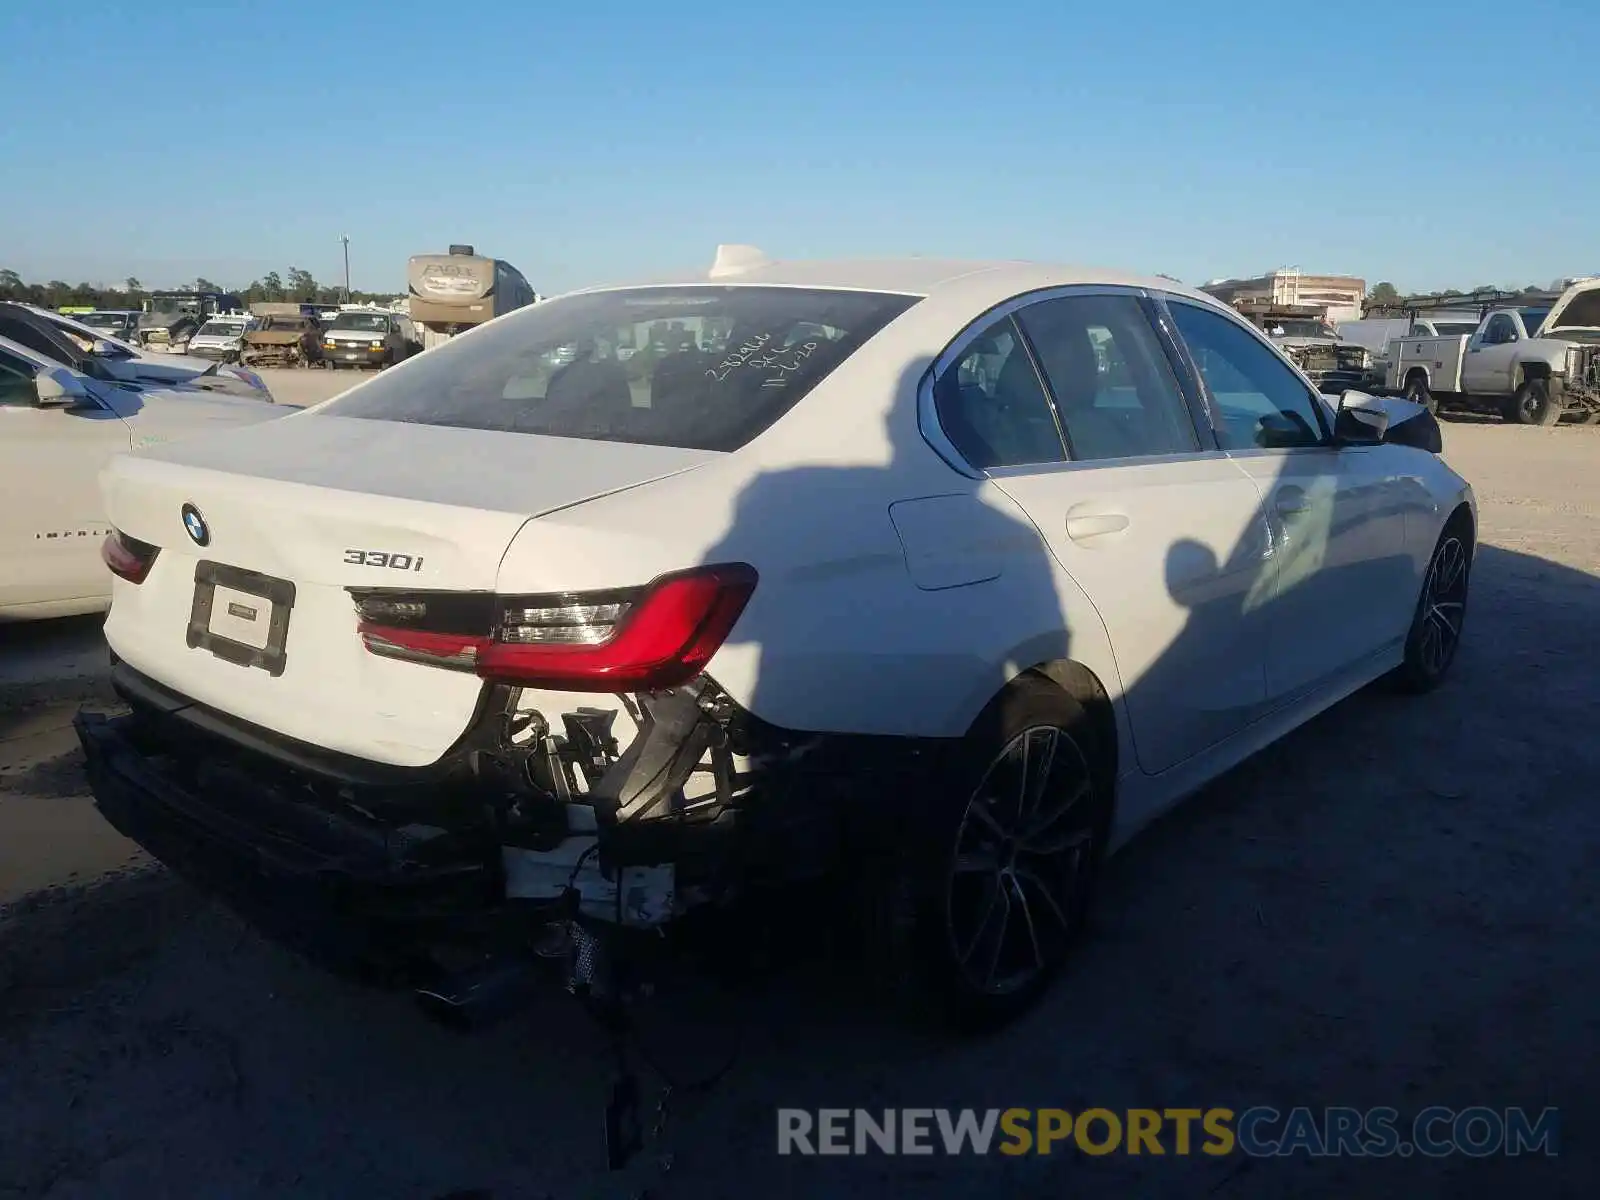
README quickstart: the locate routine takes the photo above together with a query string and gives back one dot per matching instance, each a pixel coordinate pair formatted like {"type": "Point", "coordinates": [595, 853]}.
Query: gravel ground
{"type": "Point", "coordinates": [1393, 906]}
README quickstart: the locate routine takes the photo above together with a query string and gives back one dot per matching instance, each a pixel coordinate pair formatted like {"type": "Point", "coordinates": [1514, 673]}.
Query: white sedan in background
{"type": "Point", "coordinates": [952, 575]}
{"type": "Point", "coordinates": [87, 349]}
{"type": "Point", "coordinates": [58, 428]}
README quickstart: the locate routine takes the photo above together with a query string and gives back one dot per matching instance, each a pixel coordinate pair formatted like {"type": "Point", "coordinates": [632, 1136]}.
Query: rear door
{"type": "Point", "coordinates": [51, 520]}
{"type": "Point", "coordinates": [1074, 409]}
{"type": "Point", "coordinates": [1336, 513]}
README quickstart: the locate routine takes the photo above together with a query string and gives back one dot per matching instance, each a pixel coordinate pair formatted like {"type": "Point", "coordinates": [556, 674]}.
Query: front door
{"type": "Point", "coordinates": [1488, 363]}
{"type": "Point", "coordinates": [1336, 514]}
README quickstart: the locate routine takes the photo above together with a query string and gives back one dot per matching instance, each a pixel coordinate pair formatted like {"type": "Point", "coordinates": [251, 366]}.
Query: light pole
{"type": "Point", "coordinates": [345, 238]}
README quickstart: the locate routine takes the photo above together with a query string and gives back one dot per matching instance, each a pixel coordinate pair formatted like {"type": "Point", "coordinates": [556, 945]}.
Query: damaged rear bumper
{"type": "Point", "coordinates": [502, 844]}
{"type": "Point", "coordinates": [358, 898]}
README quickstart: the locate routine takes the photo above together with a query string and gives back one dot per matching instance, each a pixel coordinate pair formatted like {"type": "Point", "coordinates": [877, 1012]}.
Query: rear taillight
{"type": "Point", "coordinates": [639, 639]}
{"type": "Point", "coordinates": [128, 557]}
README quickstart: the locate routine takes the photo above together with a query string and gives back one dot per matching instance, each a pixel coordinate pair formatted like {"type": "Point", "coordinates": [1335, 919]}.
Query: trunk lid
{"type": "Point", "coordinates": [325, 504]}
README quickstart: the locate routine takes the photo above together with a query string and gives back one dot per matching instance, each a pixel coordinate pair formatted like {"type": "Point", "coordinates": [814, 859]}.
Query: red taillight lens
{"type": "Point", "coordinates": [658, 637]}
{"type": "Point", "coordinates": [128, 558]}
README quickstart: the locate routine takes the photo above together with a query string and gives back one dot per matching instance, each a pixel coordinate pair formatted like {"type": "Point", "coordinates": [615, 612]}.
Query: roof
{"type": "Point", "coordinates": [910, 276]}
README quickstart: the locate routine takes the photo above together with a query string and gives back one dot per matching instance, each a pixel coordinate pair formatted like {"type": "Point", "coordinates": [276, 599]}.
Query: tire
{"type": "Point", "coordinates": [1436, 625]}
{"type": "Point", "coordinates": [1532, 404]}
{"type": "Point", "coordinates": [1418, 392]}
{"type": "Point", "coordinates": [1587, 418]}
{"type": "Point", "coordinates": [1004, 870]}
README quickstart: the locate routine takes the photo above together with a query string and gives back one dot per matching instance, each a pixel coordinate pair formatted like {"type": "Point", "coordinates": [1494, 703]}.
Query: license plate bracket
{"type": "Point", "coordinates": [279, 593]}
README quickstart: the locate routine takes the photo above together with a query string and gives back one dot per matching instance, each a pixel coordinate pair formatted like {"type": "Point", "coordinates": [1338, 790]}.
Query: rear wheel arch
{"type": "Point", "coordinates": [1084, 686]}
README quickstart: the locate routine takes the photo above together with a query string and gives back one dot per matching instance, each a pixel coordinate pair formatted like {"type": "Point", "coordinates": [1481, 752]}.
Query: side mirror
{"type": "Point", "coordinates": [58, 388]}
{"type": "Point", "coordinates": [1356, 425]}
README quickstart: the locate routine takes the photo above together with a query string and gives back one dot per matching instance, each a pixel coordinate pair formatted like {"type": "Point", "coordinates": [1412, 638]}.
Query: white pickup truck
{"type": "Point", "coordinates": [1531, 364]}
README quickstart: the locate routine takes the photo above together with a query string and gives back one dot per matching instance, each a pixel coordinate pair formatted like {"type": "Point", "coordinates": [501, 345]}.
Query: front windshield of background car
{"type": "Point", "coordinates": [361, 322]}
{"type": "Point", "coordinates": [111, 321]}
{"type": "Point", "coordinates": [222, 329]}
{"type": "Point", "coordinates": [1532, 318]}
{"type": "Point", "coordinates": [1303, 329]}
{"type": "Point", "coordinates": [705, 367]}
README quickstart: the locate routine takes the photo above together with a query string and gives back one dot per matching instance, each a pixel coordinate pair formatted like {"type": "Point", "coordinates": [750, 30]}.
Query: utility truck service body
{"type": "Point", "coordinates": [1532, 363]}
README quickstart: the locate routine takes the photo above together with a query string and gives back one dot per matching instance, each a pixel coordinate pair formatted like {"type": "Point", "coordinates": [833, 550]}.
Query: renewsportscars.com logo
{"type": "Point", "coordinates": [1259, 1132]}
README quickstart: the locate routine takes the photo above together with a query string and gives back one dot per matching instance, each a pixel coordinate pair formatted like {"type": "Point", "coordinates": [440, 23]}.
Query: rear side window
{"type": "Point", "coordinates": [1113, 386]}
{"type": "Point", "coordinates": [992, 406]}
{"type": "Point", "coordinates": [703, 368]}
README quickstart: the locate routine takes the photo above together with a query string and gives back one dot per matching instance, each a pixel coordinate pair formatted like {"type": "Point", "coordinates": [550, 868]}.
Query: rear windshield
{"type": "Point", "coordinates": [703, 368]}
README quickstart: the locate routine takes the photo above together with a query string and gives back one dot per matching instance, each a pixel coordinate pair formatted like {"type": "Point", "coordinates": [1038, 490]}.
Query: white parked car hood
{"type": "Point", "coordinates": [161, 414]}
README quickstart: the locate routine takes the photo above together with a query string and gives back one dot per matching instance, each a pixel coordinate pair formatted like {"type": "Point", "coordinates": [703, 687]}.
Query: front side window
{"type": "Point", "coordinates": [1262, 402]}
{"type": "Point", "coordinates": [698, 367]}
{"type": "Point", "coordinates": [992, 406]}
{"type": "Point", "coordinates": [1112, 383]}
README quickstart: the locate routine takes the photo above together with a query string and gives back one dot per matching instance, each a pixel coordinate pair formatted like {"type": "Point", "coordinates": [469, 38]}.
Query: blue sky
{"type": "Point", "coordinates": [597, 141]}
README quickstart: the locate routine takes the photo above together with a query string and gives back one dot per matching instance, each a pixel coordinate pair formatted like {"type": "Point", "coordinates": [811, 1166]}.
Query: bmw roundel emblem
{"type": "Point", "coordinates": [195, 524]}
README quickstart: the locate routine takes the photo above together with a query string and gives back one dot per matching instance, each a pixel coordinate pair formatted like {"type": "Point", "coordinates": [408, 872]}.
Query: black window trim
{"type": "Point", "coordinates": [1318, 408]}
{"type": "Point", "coordinates": [939, 441]}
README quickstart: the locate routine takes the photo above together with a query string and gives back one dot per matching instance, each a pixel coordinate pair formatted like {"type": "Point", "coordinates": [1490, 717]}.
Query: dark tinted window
{"type": "Point", "coordinates": [1112, 383]}
{"type": "Point", "coordinates": [363, 322]}
{"type": "Point", "coordinates": [1499, 330]}
{"type": "Point", "coordinates": [992, 406]}
{"type": "Point", "coordinates": [1262, 402]}
{"type": "Point", "coordinates": [698, 367]}
{"type": "Point", "coordinates": [16, 382]}
{"type": "Point", "coordinates": [35, 332]}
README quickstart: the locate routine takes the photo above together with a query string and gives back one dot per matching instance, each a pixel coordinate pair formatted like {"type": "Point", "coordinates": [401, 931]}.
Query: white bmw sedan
{"type": "Point", "coordinates": [628, 600]}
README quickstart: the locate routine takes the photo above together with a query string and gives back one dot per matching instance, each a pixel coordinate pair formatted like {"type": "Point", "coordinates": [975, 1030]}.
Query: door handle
{"type": "Point", "coordinates": [1096, 525]}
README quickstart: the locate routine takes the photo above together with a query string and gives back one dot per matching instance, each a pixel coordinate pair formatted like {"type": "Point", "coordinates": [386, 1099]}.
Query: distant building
{"type": "Point", "coordinates": [1339, 296]}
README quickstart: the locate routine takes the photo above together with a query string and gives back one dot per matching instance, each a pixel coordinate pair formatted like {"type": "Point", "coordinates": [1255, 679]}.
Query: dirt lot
{"type": "Point", "coordinates": [1395, 906]}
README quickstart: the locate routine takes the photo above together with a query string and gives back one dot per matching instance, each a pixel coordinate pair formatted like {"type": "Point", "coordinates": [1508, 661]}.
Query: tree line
{"type": "Point", "coordinates": [297, 285]}
{"type": "Point", "coordinates": [1387, 293]}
